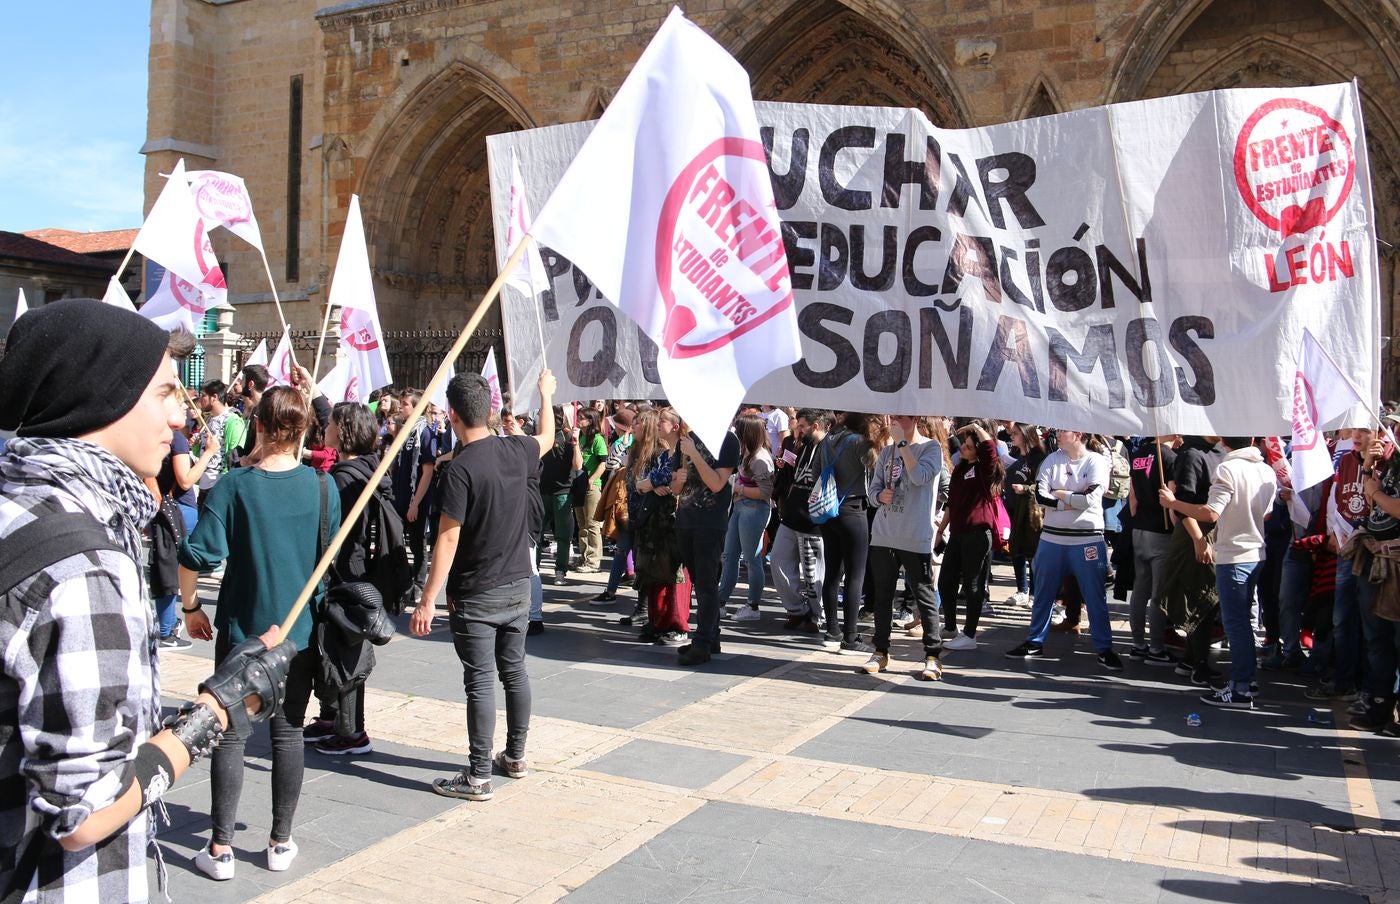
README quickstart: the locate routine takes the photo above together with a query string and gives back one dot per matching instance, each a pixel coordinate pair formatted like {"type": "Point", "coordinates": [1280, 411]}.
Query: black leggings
{"type": "Point", "coordinates": [846, 543]}
{"type": "Point", "coordinates": [288, 755]}
{"type": "Point", "coordinates": [967, 563]}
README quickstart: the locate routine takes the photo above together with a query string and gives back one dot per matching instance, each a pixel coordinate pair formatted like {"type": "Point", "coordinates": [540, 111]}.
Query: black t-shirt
{"type": "Point", "coordinates": [698, 508]}
{"type": "Point", "coordinates": [482, 490]}
{"type": "Point", "coordinates": [802, 476]}
{"type": "Point", "coordinates": [557, 466]}
{"type": "Point", "coordinates": [1146, 483]}
{"type": "Point", "coordinates": [166, 478]}
{"type": "Point", "coordinates": [1194, 469]}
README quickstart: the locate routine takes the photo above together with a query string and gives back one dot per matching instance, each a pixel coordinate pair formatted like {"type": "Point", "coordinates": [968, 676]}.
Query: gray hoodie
{"type": "Point", "coordinates": [908, 521]}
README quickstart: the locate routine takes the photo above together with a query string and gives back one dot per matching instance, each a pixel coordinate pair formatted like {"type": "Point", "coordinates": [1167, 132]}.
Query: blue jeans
{"type": "Point", "coordinates": [747, 522]}
{"type": "Point", "coordinates": [1235, 584]}
{"type": "Point", "coordinates": [166, 610]}
{"type": "Point", "coordinates": [1382, 640]}
{"type": "Point", "coordinates": [1021, 565]}
{"type": "Point", "coordinates": [1346, 629]}
{"type": "Point", "coordinates": [1088, 563]}
{"type": "Point", "coordinates": [1293, 590]}
{"type": "Point", "coordinates": [619, 562]}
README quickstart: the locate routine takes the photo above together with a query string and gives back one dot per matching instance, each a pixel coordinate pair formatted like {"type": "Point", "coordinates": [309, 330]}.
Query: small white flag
{"type": "Point", "coordinates": [529, 275]}
{"type": "Point", "coordinates": [175, 237]}
{"type": "Point", "coordinates": [117, 296]}
{"type": "Point", "coordinates": [668, 208]}
{"type": "Point", "coordinates": [259, 355]}
{"type": "Point", "coordinates": [352, 288]}
{"type": "Point", "coordinates": [440, 397]}
{"type": "Point", "coordinates": [1321, 392]}
{"type": "Point", "coordinates": [279, 367]}
{"type": "Point", "coordinates": [493, 378]}
{"type": "Point", "coordinates": [222, 199]}
{"type": "Point", "coordinates": [20, 306]}
{"type": "Point", "coordinates": [175, 304]}
{"type": "Point", "coordinates": [340, 384]}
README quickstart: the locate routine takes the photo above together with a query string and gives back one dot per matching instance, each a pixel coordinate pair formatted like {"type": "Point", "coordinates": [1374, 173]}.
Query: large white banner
{"type": "Point", "coordinates": [1139, 268]}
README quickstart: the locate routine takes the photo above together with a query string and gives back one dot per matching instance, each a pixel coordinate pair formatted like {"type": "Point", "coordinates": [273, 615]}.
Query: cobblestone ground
{"type": "Point", "coordinates": [779, 773]}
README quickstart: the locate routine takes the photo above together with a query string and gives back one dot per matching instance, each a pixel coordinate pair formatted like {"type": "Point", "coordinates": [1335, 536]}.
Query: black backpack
{"type": "Point", "coordinates": [381, 544]}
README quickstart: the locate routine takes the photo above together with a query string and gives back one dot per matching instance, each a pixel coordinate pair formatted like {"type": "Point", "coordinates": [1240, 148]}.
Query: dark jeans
{"type": "Point", "coordinates": [846, 543]}
{"type": "Point", "coordinates": [558, 513]}
{"type": "Point", "coordinates": [701, 550]}
{"type": "Point", "coordinates": [415, 532]}
{"type": "Point", "coordinates": [1382, 638]}
{"type": "Point", "coordinates": [619, 560]}
{"type": "Point", "coordinates": [885, 564]}
{"type": "Point", "coordinates": [1271, 583]}
{"type": "Point", "coordinates": [488, 632]}
{"type": "Point", "coordinates": [967, 563]}
{"type": "Point", "coordinates": [288, 755]}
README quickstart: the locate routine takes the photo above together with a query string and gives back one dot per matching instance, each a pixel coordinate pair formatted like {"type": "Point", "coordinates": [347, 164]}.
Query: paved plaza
{"type": "Point", "coordinates": [777, 774]}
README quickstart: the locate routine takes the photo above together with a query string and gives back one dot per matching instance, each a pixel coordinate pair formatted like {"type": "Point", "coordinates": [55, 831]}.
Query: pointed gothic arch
{"type": "Point", "coordinates": [827, 52]}
{"type": "Point", "coordinates": [427, 197]}
{"type": "Point", "coordinates": [1040, 100]}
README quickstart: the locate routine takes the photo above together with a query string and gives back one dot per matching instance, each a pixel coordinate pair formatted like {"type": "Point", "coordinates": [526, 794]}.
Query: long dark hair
{"type": "Point", "coordinates": [869, 428]}
{"type": "Point", "coordinates": [752, 432]}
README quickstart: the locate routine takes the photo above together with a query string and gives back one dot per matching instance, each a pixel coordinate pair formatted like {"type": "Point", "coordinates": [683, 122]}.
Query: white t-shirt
{"type": "Point", "coordinates": [777, 421]}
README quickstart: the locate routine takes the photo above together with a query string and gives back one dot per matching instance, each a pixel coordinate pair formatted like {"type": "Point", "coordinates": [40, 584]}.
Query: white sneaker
{"type": "Point", "coordinates": [747, 613]}
{"type": "Point", "coordinates": [220, 867]}
{"type": "Point", "coordinates": [1021, 600]}
{"type": "Point", "coordinates": [280, 856]}
{"type": "Point", "coordinates": [961, 642]}
{"type": "Point", "coordinates": [1057, 614]}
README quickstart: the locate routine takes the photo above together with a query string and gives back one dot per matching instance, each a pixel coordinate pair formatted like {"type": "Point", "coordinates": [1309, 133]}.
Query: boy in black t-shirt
{"type": "Point", "coordinates": [703, 495]}
{"type": "Point", "coordinates": [482, 559]}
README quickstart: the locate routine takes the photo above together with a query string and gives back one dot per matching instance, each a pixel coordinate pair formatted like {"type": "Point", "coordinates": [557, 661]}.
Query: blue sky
{"type": "Point", "coordinates": [73, 115]}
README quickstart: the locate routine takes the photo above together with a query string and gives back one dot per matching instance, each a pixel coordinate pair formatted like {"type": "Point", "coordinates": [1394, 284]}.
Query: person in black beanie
{"type": "Point", "coordinates": [93, 398]}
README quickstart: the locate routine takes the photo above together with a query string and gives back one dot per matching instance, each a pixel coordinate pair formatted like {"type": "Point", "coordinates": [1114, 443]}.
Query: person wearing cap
{"type": "Point", "coordinates": [91, 394]}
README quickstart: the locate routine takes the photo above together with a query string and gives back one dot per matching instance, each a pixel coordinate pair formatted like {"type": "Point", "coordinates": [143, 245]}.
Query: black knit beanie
{"type": "Point", "coordinates": [75, 366]}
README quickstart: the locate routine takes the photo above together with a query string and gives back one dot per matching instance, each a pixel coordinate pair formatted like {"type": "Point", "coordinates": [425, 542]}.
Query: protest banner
{"type": "Point", "coordinates": [1137, 269]}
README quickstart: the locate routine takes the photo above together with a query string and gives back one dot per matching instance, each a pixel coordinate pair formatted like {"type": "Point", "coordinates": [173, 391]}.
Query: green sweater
{"type": "Point", "coordinates": [266, 525]}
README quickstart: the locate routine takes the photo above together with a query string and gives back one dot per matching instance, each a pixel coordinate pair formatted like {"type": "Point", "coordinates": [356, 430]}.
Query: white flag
{"type": "Point", "coordinates": [222, 199]}
{"type": "Point", "coordinates": [176, 304]}
{"type": "Point", "coordinates": [493, 377]}
{"type": "Point", "coordinates": [529, 275]}
{"type": "Point", "coordinates": [279, 367]}
{"type": "Point", "coordinates": [1321, 392]}
{"type": "Point", "coordinates": [21, 305]}
{"type": "Point", "coordinates": [116, 296]}
{"type": "Point", "coordinates": [352, 288]}
{"type": "Point", "coordinates": [668, 208]}
{"type": "Point", "coordinates": [340, 384]}
{"type": "Point", "coordinates": [440, 397]}
{"type": "Point", "coordinates": [259, 355]}
{"type": "Point", "coordinates": [174, 236]}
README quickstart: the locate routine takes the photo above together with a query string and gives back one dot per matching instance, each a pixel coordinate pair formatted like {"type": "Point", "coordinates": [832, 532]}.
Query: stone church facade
{"type": "Point", "coordinates": [393, 100]}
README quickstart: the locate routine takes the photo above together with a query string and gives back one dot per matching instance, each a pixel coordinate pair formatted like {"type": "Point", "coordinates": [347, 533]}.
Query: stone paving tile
{"type": "Point", "coordinates": [666, 764]}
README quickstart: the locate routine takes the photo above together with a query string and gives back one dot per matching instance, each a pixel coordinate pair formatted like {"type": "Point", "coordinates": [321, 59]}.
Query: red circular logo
{"type": "Point", "coordinates": [1294, 166]}
{"type": "Point", "coordinates": [204, 256]}
{"type": "Point", "coordinates": [357, 329]}
{"type": "Point", "coordinates": [221, 200]}
{"type": "Point", "coordinates": [186, 294]}
{"type": "Point", "coordinates": [1305, 433]}
{"type": "Point", "coordinates": [722, 270]}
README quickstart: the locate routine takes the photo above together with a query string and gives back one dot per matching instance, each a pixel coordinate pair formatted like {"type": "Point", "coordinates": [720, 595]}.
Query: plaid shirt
{"type": "Point", "coordinates": [79, 690]}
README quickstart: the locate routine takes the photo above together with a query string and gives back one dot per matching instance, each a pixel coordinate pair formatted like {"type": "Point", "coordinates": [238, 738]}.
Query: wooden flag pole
{"type": "Point", "coordinates": [277, 302]}
{"type": "Point", "coordinates": [199, 416]}
{"type": "Point", "coordinates": [321, 341]}
{"type": "Point", "coordinates": [348, 519]}
{"type": "Point", "coordinates": [1162, 483]}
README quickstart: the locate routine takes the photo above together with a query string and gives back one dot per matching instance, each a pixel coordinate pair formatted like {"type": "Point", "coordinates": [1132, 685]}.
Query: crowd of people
{"type": "Point", "coordinates": [868, 523]}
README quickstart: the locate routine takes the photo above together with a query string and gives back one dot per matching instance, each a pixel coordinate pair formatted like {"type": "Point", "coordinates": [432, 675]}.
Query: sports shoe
{"type": "Point", "coordinates": [1184, 668]}
{"type": "Point", "coordinates": [1205, 676]}
{"type": "Point", "coordinates": [280, 856]}
{"type": "Point", "coordinates": [175, 642]}
{"type": "Point", "coordinates": [219, 868]}
{"type": "Point", "coordinates": [857, 647]}
{"type": "Point", "coordinates": [1159, 657]}
{"type": "Point", "coordinates": [1329, 690]}
{"type": "Point", "coordinates": [1138, 654]}
{"type": "Point", "coordinates": [747, 613]}
{"type": "Point", "coordinates": [1109, 660]}
{"type": "Point", "coordinates": [831, 643]}
{"type": "Point", "coordinates": [511, 768]}
{"type": "Point", "coordinates": [318, 731]}
{"type": "Point", "coordinates": [693, 655]}
{"type": "Point", "coordinates": [877, 663]}
{"type": "Point", "coordinates": [351, 745]}
{"type": "Point", "coordinates": [460, 786]}
{"type": "Point", "coordinates": [961, 642]}
{"type": "Point", "coordinates": [603, 599]}
{"type": "Point", "coordinates": [560, 580]}
{"type": "Point", "coordinates": [638, 616]}
{"type": "Point", "coordinates": [1227, 698]}
{"type": "Point", "coordinates": [1057, 614]}
{"type": "Point", "coordinates": [932, 671]}
{"type": "Point", "coordinates": [904, 618]}
{"type": "Point", "coordinates": [1280, 662]}
{"type": "Point", "coordinates": [674, 638]}
{"type": "Point", "coordinates": [1021, 600]}
{"type": "Point", "coordinates": [1027, 650]}
{"type": "Point", "coordinates": [1360, 704]}
{"type": "Point", "coordinates": [916, 630]}
{"type": "Point", "coordinates": [865, 615]}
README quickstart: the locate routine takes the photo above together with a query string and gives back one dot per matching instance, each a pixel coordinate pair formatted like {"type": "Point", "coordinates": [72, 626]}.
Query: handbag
{"type": "Point", "coordinates": [824, 503]}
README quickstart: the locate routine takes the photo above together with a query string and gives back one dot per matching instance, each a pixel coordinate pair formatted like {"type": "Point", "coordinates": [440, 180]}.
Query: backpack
{"type": "Point", "coordinates": [1120, 473]}
{"type": "Point", "coordinates": [824, 503]}
{"type": "Point", "coordinates": [381, 542]}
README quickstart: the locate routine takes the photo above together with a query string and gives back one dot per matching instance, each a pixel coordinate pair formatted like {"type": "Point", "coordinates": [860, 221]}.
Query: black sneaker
{"type": "Point", "coordinates": [1184, 668]}
{"type": "Point", "coordinates": [175, 642]}
{"type": "Point", "coordinates": [318, 731]}
{"type": "Point", "coordinates": [693, 655]}
{"type": "Point", "coordinates": [1109, 660]}
{"type": "Point", "coordinates": [1027, 650]}
{"type": "Point", "coordinates": [1159, 657]}
{"type": "Point", "coordinates": [353, 745]}
{"type": "Point", "coordinates": [461, 787]}
{"type": "Point", "coordinates": [1138, 654]}
{"type": "Point", "coordinates": [1205, 676]}
{"type": "Point", "coordinates": [604, 599]}
{"type": "Point", "coordinates": [1329, 690]}
{"type": "Point", "coordinates": [1227, 698]}
{"type": "Point", "coordinates": [857, 647]}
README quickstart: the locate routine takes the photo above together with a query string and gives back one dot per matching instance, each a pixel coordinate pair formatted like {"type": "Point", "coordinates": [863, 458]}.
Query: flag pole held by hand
{"type": "Point", "coordinates": [348, 518]}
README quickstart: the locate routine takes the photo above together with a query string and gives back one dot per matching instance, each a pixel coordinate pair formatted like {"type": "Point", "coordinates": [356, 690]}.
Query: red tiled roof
{"type": "Point", "coordinates": [86, 242]}
{"type": "Point", "coordinates": [18, 245]}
